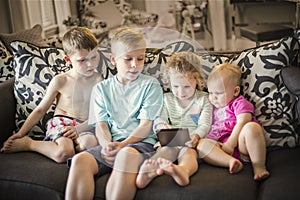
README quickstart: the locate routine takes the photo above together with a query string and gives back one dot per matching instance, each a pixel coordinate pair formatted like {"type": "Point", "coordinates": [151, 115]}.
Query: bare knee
{"type": "Point", "coordinates": [252, 129]}
{"type": "Point", "coordinates": [63, 153]}
{"type": "Point", "coordinates": [128, 160]}
{"type": "Point", "coordinates": [205, 146]}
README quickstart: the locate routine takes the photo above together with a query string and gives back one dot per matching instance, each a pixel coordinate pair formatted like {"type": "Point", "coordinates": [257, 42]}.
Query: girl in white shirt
{"type": "Point", "coordinates": [187, 106]}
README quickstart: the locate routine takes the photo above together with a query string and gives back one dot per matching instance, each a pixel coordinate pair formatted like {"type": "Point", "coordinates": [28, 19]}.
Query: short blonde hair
{"type": "Point", "coordinates": [78, 38]}
{"type": "Point", "coordinates": [129, 37]}
{"type": "Point", "coordinates": [232, 72]}
{"type": "Point", "coordinates": [187, 63]}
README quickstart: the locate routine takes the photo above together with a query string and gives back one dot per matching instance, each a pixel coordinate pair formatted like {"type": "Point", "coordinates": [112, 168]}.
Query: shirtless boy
{"type": "Point", "coordinates": [71, 93]}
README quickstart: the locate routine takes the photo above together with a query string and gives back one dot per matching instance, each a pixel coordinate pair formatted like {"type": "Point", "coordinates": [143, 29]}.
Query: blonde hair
{"type": "Point", "coordinates": [187, 63]}
{"type": "Point", "coordinates": [131, 38]}
{"type": "Point", "coordinates": [232, 72]}
{"type": "Point", "coordinates": [78, 38]}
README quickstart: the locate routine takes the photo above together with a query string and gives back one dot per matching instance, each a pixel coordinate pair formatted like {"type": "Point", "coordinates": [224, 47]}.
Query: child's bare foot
{"type": "Point", "coordinates": [17, 145]}
{"type": "Point", "coordinates": [260, 173]}
{"type": "Point", "coordinates": [235, 166]}
{"type": "Point", "coordinates": [180, 175]}
{"type": "Point", "coordinates": [148, 171]}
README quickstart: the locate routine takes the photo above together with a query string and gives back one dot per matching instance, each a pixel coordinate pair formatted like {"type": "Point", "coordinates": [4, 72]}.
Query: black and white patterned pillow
{"type": "Point", "coordinates": [264, 87]}
{"type": "Point", "coordinates": [34, 68]}
{"type": "Point", "coordinates": [6, 64]}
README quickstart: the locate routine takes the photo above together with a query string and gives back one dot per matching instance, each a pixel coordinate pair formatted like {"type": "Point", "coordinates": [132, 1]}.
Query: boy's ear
{"type": "Point", "coordinates": [112, 59]}
{"type": "Point", "coordinates": [237, 90]}
{"type": "Point", "coordinates": [67, 59]}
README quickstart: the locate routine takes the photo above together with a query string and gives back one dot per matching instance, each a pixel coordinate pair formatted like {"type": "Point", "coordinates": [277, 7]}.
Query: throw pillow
{"type": "Point", "coordinates": [6, 64]}
{"type": "Point", "coordinates": [290, 76]}
{"type": "Point", "coordinates": [34, 68]}
{"type": "Point", "coordinates": [263, 86]}
{"type": "Point", "coordinates": [33, 35]}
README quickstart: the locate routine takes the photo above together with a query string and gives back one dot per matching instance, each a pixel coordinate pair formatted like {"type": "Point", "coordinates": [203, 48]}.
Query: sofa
{"type": "Point", "coordinates": [270, 80]}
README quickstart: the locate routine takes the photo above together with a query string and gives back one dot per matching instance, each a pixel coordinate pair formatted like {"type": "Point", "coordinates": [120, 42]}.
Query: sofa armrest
{"type": "Point", "coordinates": [7, 109]}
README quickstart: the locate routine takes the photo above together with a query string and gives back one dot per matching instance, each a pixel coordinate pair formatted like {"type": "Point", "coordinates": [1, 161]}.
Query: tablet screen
{"type": "Point", "coordinates": [173, 137]}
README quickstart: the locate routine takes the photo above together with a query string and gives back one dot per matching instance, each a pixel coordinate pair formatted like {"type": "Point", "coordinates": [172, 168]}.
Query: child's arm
{"type": "Point", "coordinates": [73, 131]}
{"type": "Point", "coordinates": [205, 119]}
{"type": "Point", "coordinates": [41, 109]}
{"type": "Point", "coordinates": [232, 141]}
{"type": "Point", "coordinates": [141, 132]}
{"type": "Point", "coordinates": [103, 133]}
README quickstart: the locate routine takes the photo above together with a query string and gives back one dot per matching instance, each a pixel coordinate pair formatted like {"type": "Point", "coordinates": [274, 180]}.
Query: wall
{"type": "Point", "coordinates": [4, 16]}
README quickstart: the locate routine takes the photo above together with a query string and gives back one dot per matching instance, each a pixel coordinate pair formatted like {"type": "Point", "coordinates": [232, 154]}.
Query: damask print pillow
{"type": "Point", "coordinates": [34, 68]}
{"type": "Point", "coordinates": [263, 86]}
{"type": "Point", "coordinates": [6, 64]}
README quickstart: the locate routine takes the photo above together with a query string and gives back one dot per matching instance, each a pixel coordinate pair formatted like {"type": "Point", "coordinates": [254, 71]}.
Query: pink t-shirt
{"type": "Point", "coordinates": [225, 118]}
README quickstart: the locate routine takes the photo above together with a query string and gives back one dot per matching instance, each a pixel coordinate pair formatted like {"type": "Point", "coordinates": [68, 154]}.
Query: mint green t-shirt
{"type": "Point", "coordinates": [122, 106]}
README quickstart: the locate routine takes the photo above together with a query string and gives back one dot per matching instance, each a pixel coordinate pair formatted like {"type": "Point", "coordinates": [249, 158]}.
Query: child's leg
{"type": "Point", "coordinates": [86, 141]}
{"type": "Point", "coordinates": [150, 167]}
{"type": "Point", "coordinates": [187, 166]}
{"type": "Point", "coordinates": [169, 153]}
{"type": "Point", "coordinates": [80, 183]}
{"type": "Point", "coordinates": [59, 151]}
{"type": "Point", "coordinates": [121, 184]}
{"type": "Point", "coordinates": [212, 153]}
{"type": "Point", "coordinates": [252, 143]}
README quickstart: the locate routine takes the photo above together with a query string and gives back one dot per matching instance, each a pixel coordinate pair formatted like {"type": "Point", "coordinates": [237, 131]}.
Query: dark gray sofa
{"type": "Point", "coordinates": [28, 175]}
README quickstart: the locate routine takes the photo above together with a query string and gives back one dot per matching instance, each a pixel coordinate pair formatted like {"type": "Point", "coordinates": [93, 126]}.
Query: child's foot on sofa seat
{"type": "Point", "coordinates": [20, 144]}
{"type": "Point", "coordinates": [235, 166]}
{"type": "Point", "coordinates": [260, 173]}
{"type": "Point", "coordinates": [148, 171]}
{"type": "Point", "coordinates": [179, 174]}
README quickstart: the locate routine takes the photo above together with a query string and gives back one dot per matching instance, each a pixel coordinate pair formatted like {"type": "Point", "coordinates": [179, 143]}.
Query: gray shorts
{"type": "Point", "coordinates": [146, 149]}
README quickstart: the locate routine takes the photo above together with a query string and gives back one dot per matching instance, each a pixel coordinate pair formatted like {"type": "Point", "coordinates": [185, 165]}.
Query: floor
{"type": "Point", "coordinates": [159, 38]}
{"type": "Point", "coordinates": [232, 44]}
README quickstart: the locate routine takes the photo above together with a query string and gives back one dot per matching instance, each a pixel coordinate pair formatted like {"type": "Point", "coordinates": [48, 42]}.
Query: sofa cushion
{"type": "Point", "coordinates": [263, 86]}
{"type": "Point", "coordinates": [285, 175]}
{"type": "Point", "coordinates": [34, 68]}
{"type": "Point", "coordinates": [290, 76]}
{"type": "Point", "coordinates": [6, 63]}
{"type": "Point", "coordinates": [29, 175]}
{"type": "Point", "coordinates": [32, 35]}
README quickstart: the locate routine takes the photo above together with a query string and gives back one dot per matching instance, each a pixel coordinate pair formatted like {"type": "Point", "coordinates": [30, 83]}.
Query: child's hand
{"type": "Point", "coordinates": [162, 126]}
{"type": "Point", "coordinates": [193, 142]}
{"type": "Point", "coordinates": [109, 152]}
{"type": "Point", "coordinates": [70, 132]}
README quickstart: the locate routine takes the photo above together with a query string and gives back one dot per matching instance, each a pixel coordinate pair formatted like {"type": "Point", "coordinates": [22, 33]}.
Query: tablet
{"type": "Point", "coordinates": [173, 137]}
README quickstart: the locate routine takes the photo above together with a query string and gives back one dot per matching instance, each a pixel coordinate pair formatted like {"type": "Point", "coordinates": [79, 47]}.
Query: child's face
{"type": "Point", "coordinates": [222, 91]}
{"type": "Point", "coordinates": [182, 87]}
{"type": "Point", "coordinates": [85, 61]}
{"type": "Point", "coordinates": [129, 63]}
